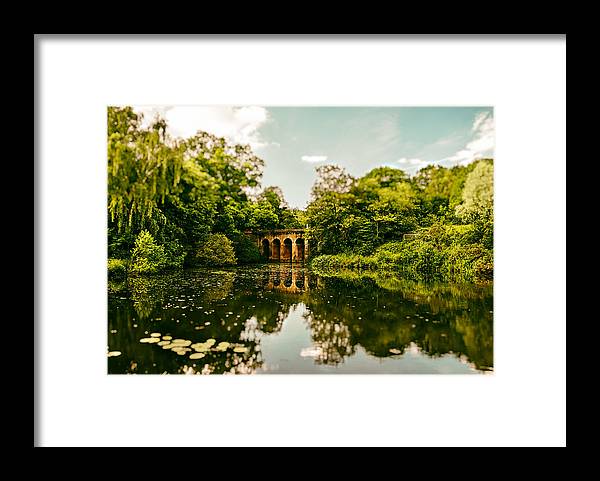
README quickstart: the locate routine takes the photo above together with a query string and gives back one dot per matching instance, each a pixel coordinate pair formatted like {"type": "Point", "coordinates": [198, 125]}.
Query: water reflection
{"type": "Point", "coordinates": [286, 278]}
{"type": "Point", "coordinates": [279, 318]}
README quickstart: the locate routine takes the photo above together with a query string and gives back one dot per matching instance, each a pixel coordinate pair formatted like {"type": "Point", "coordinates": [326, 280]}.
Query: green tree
{"type": "Point", "coordinates": [216, 250]}
{"type": "Point", "coordinates": [147, 257]}
{"type": "Point", "coordinates": [262, 216]}
{"type": "Point", "coordinates": [379, 178]}
{"type": "Point", "coordinates": [478, 192]}
{"type": "Point", "coordinates": [440, 190]}
{"type": "Point", "coordinates": [234, 168]}
{"type": "Point", "coordinates": [292, 219]}
{"type": "Point", "coordinates": [144, 165]}
{"type": "Point", "coordinates": [246, 250]}
{"type": "Point", "coordinates": [287, 218]}
{"type": "Point", "coordinates": [177, 190]}
{"type": "Point", "coordinates": [331, 178]}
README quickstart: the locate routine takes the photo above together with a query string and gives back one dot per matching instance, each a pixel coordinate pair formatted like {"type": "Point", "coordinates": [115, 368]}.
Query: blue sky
{"type": "Point", "coordinates": [294, 140]}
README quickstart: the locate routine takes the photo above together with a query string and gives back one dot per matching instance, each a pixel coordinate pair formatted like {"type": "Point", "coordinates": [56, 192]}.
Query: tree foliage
{"type": "Point", "coordinates": [478, 193]}
{"type": "Point", "coordinates": [216, 250]}
{"type": "Point", "coordinates": [191, 200]}
{"type": "Point", "coordinates": [352, 222]}
{"type": "Point", "coordinates": [331, 178]}
{"type": "Point", "coordinates": [181, 191]}
{"type": "Point", "coordinates": [147, 257]}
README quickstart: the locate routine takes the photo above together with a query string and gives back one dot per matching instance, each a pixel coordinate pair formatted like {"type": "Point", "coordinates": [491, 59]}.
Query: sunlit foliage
{"type": "Point", "coordinates": [180, 191]}
{"type": "Point", "coordinates": [216, 250]}
{"type": "Point", "coordinates": [448, 213]}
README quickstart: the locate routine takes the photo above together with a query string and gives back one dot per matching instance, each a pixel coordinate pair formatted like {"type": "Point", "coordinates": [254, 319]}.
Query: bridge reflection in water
{"type": "Point", "coordinates": [293, 280]}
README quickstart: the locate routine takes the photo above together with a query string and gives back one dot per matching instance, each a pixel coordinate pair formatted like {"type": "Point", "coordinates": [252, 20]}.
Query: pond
{"type": "Point", "coordinates": [285, 319]}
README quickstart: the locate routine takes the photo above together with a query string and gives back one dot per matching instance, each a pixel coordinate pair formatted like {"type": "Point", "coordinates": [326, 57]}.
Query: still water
{"type": "Point", "coordinates": [283, 319]}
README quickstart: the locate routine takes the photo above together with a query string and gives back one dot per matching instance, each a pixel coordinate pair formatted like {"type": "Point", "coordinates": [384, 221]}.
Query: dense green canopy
{"type": "Point", "coordinates": [174, 201]}
{"type": "Point", "coordinates": [181, 191]}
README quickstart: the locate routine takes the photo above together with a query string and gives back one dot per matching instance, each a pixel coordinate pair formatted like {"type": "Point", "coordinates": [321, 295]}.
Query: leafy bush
{"type": "Point", "coordinates": [216, 250]}
{"type": "Point", "coordinates": [390, 248]}
{"type": "Point", "coordinates": [459, 261]}
{"type": "Point", "coordinates": [246, 250]}
{"type": "Point", "coordinates": [174, 255]}
{"type": "Point", "coordinates": [117, 268]}
{"type": "Point", "coordinates": [440, 252]}
{"type": "Point", "coordinates": [120, 244]}
{"type": "Point", "coordinates": [483, 231]}
{"type": "Point", "coordinates": [147, 257]}
{"type": "Point", "coordinates": [483, 269]}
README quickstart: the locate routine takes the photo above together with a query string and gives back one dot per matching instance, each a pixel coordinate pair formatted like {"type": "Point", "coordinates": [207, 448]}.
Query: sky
{"type": "Point", "coordinates": [294, 140]}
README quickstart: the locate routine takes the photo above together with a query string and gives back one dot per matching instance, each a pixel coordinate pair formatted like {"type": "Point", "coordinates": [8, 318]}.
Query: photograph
{"type": "Point", "coordinates": [360, 239]}
{"type": "Point", "coordinates": [261, 239]}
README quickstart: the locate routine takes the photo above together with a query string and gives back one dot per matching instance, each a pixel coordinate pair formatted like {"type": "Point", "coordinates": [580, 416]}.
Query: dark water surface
{"type": "Point", "coordinates": [283, 319]}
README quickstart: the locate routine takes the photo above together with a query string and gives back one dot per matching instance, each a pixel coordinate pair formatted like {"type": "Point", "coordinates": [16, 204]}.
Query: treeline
{"type": "Point", "coordinates": [175, 202]}
{"type": "Point", "coordinates": [447, 212]}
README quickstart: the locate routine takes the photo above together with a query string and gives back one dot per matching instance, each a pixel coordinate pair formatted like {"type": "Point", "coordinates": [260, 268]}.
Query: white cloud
{"type": "Point", "coordinates": [482, 145]}
{"type": "Point", "coordinates": [314, 158]}
{"type": "Point", "coordinates": [404, 160]}
{"type": "Point", "coordinates": [412, 165]}
{"type": "Point", "coordinates": [480, 118]}
{"type": "Point", "coordinates": [239, 125]}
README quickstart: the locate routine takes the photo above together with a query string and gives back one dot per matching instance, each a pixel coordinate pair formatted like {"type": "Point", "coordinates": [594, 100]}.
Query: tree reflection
{"type": "Point", "coordinates": [385, 316]}
{"type": "Point", "coordinates": [438, 318]}
{"type": "Point", "coordinates": [331, 338]}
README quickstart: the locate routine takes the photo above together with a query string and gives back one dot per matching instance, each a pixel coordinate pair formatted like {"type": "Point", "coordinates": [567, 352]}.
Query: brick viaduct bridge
{"type": "Point", "coordinates": [282, 245]}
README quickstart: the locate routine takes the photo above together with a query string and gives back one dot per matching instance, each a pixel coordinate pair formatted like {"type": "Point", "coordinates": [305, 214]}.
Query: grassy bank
{"type": "Point", "coordinates": [450, 253]}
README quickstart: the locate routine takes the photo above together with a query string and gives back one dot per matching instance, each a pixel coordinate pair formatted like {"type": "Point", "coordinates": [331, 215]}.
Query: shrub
{"type": "Point", "coordinates": [459, 261]}
{"type": "Point", "coordinates": [216, 250]}
{"type": "Point", "coordinates": [340, 261]}
{"type": "Point", "coordinates": [174, 255]}
{"type": "Point", "coordinates": [147, 257]}
{"type": "Point", "coordinates": [441, 252]}
{"type": "Point", "coordinates": [117, 268]}
{"type": "Point", "coordinates": [390, 248]}
{"type": "Point", "coordinates": [483, 269]}
{"type": "Point", "coordinates": [246, 249]}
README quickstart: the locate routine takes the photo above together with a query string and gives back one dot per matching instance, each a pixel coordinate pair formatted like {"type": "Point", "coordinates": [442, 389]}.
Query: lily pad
{"type": "Point", "coordinates": [197, 355]}
{"type": "Point", "coordinates": [114, 353]}
{"type": "Point", "coordinates": [222, 346]}
{"type": "Point", "coordinates": [240, 349]}
{"type": "Point", "coordinates": [395, 351]}
{"type": "Point", "coordinates": [150, 340]}
{"type": "Point", "coordinates": [210, 342]}
{"type": "Point", "coordinates": [163, 343]}
{"type": "Point", "coordinates": [155, 334]}
{"type": "Point", "coordinates": [181, 342]}
{"type": "Point", "coordinates": [167, 338]}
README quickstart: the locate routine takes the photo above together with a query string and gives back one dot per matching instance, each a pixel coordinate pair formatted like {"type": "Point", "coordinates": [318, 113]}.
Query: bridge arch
{"type": "Point", "coordinates": [287, 249]}
{"type": "Point", "coordinates": [266, 248]}
{"type": "Point", "coordinates": [281, 245]}
{"type": "Point", "coordinates": [276, 251]}
{"type": "Point", "coordinates": [300, 248]}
